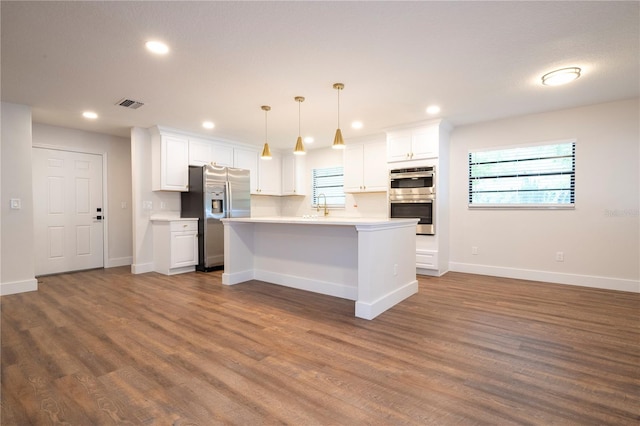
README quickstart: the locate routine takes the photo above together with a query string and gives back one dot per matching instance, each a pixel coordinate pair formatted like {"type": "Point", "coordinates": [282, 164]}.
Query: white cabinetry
{"type": "Point", "coordinates": [293, 182]}
{"type": "Point", "coordinates": [202, 151]}
{"type": "Point", "coordinates": [365, 168]}
{"type": "Point", "coordinates": [413, 144]}
{"type": "Point", "coordinates": [175, 246]}
{"type": "Point", "coordinates": [265, 175]}
{"type": "Point", "coordinates": [169, 161]}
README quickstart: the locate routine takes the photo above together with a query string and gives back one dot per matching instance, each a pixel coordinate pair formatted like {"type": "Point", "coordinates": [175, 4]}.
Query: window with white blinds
{"type": "Point", "coordinates": [330, 182]}
{"type": "Point", "coordinates": [532, 176]}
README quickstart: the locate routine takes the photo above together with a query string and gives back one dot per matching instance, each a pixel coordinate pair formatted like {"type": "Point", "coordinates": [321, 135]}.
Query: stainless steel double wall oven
{"type": "Point", "coordinates": [412, 194]}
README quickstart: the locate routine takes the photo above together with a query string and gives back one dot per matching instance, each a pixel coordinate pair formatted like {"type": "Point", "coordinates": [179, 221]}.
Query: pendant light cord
{"type": "Point", "coordinates": [338, 108]}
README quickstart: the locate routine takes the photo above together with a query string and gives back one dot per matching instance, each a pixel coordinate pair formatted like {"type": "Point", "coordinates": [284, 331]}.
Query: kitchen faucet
{"type": "Point", "coordinates": [326, 212]}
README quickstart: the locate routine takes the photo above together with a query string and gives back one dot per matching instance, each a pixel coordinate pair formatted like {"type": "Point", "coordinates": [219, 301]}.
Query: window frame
{"type": "Point", "coordinates": [314, 202]}
{"type": "Point", "coordinates": [525, 206]}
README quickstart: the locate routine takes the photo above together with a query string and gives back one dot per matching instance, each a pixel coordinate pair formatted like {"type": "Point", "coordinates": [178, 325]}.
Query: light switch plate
{"type": "Point", "coordinates": [16, 204]}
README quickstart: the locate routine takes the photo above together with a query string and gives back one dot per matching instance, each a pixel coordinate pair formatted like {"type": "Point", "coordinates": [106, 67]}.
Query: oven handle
{"type": "Point", "coordinates": [394, 176]}
{"type": "Point", "coordinates": [429, 201]}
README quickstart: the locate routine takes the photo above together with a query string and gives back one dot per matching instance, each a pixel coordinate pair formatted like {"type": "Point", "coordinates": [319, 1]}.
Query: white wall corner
{"type": "Point", "coordinates": [142, 268]}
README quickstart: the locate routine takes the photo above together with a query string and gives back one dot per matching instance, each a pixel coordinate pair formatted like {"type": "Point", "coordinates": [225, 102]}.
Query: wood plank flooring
{"type": "Point", "coordinates": [106, 347]}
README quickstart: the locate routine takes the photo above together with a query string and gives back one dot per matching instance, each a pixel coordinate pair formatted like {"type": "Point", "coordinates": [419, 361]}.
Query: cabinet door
{"type": "Point", "coordinates": [399, 146]}
{"type": "Point", "coordinates": [174, 163]}
{"type": "Point", "coordinates": [424, 143]}
{"type": "Point", "coordinates": [293, 167]}
{"type": "Point", "coordinates": [184, 249]}
{"type": "Point", "coordinates": [199, 152]}
{"type": "Point", "coordinates": [353, 168]}
{"type": "Point", "coordinates": [221, 155]}
{"type": "Point", "coordinates": [248, 159]}
{"type": "Point", "coordinates": [375, 174]}
{"type": "Point", "coordinates": [270, 176]}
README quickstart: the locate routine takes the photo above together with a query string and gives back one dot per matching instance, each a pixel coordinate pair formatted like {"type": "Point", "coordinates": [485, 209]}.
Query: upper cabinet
{"type": "Point", "coordinates": [413, 144]}
{"type": "Point", "coordinates": [293, 182]}
{"type": "Point", "coordinates": [365, 167]}
{"type": "Point", "coordinates": [264, 175]}
{"type": "Point", "coordinates": [202, 151]}
{"type": "Point", "coordinates": [170, 161]}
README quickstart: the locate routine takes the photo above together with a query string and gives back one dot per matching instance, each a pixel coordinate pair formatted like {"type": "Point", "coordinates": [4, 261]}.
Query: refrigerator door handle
{"type": "Point", "coordinates": [229, 201]}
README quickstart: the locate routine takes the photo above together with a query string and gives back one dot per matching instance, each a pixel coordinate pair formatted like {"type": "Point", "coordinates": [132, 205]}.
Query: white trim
{"type": "Point", "coordinates": [142, 268]}
{"type": "Point", "coordinates": [119, 261]}
{"type": "Point", "coordinates": [607, 283]}
{"type": "Point", "coordinates": [371, 310]}
{"type": "Point", "coordinates": [18, 287]}
{"type": "Point", "coordinates": [237, 277]}
{"type": "Point", "coordinates": [302, 283]}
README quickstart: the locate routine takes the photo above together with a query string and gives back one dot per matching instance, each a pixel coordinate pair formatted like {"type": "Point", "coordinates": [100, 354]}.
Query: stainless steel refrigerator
{"type": "Point", "coordinates": [215, 193]}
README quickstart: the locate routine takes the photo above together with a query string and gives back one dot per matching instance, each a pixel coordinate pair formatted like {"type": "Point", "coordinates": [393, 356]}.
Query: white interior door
{"type": "Point", "coordinates": [68, 211]}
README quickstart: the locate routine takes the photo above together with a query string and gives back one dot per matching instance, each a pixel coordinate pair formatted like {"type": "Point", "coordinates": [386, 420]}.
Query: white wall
{"type": "Point", "coordinates": [164, 202]}
{"type": "Point", "coordinates": [356, 205]}
{"type": "Point", "coordinates": [600, 238]}
{"type": "Point", "coordinates": [117, 152]}
{"type": "Point", "coordinates": [17, 271]}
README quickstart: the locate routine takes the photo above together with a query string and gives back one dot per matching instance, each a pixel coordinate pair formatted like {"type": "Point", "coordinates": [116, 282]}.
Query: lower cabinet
{"type": "Point", "coordinates": [175, 246]}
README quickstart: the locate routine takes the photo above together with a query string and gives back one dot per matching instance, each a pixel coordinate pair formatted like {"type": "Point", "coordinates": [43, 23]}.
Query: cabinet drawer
{"type": "Point", "coordinates": [427, 259]}
{"type": "Point", "coordinates": [184, 225]}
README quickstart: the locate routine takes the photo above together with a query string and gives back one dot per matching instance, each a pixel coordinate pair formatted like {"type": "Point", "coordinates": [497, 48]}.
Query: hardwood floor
{"type": "Point", "coordinates": [106, 347]}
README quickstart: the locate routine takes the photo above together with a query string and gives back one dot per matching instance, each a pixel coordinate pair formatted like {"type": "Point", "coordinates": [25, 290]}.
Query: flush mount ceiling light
{"type": "Point", "coordinates": [157, 47]}
{"type": "Point", "coordinates": [338, 142]}
{"type": "Point", "coordinates": [308, 139]}
{"type": "Point", "coordinates": [433, 109]}
{"type": "Point", "coordinates": [561, 76]}
{"type": "Point", "coordinates": [90, 115]}
{"type": "Point", "coordinates": [208, 125]}
{"type": "Point", "coordinates": [266, 152]}
{"type": "Point", "coordinates": [299, 149]}
{"type": "Point", "coordinates": [356, 125]}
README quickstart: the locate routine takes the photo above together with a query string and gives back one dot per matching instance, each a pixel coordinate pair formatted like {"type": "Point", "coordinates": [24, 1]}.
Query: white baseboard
{"type": "Point", "coordinates": [18, 287]}
{"type": "Point", "coordinates": [550, 277]}
{"type": "Point", "coordinates": [316, 286]}
{"type": "Point", "coordinates": [371, 310]}
{"type": "Point", "coordinates": [119, 261]}
{"type": "Point", "coordinates": [142, 268]}
{"type": "Point", "coordinates": [237, 277]}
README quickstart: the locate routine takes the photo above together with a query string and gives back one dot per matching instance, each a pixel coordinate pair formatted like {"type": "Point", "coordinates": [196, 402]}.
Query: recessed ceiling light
{"type": "Point", "coordinates": [308, 139]}
{"type": "Point", "coordinates": [561, 76]}
{"type": "Point", "coordinates": [433, 109]}
{"type": "Point", "coordinates": [356, 125]}
{"type": "Point", "coordinates": [90, 115]}
{"type": "Point", "coordinates": [208, 124]}
{"type": "Point", "coordinates": [157, 47]}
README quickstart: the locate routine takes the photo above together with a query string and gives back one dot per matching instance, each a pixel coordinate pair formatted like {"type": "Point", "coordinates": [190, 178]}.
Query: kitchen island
{"type": "Point", "coordinates": [370, 261]}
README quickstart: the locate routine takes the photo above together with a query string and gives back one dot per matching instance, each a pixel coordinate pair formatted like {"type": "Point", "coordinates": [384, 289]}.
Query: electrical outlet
{"type": "Point", "coordinates": [123, 205]}
{"type": "Point", "coordinates": [163, 205]}
{"type": "Point", "coordinates": [474, 250]}
{"type": "Point", "coordinates": [559, 256]}
{"type": "Point", "coordinates": [147, 205]}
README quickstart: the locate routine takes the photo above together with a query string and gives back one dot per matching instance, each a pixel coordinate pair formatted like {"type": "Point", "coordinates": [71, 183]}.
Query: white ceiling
{"type": "Point", "coordinates": [478, 60]}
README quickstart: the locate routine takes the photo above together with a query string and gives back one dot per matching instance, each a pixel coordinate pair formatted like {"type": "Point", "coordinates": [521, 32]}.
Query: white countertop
{"type": "Point", "coordinates": [322, 220]}
{"type": "Point", "coordinates": [169, 218]}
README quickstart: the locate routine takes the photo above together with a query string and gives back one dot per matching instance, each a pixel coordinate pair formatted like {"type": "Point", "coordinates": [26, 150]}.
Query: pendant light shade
{"type": "Point", "coordinates": [299, 149]}
{"type": "Point", "coordinates": [266, 152]}
{"type": "Point", "coordinates": [338, 142]}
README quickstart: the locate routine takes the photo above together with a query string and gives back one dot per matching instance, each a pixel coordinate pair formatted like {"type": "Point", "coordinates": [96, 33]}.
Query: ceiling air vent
{"type": "Point", "coordinates": [129, 103]}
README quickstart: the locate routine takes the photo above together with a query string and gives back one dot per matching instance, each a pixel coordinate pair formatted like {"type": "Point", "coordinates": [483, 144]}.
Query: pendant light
{"type": "Point", "coordinates": [338, 142]}
{"type": "Point", "coordinates": [266, 152]}
{"type": "Point", "coordinates": [299, 149]}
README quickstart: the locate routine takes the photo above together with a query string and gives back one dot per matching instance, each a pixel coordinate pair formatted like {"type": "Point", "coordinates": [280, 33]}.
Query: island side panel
{"type": "Point", "coordinates": [314, 257]}
{"type": "Point", "coordinates": [387, 268]}
{"type": "Point", "coordinates": [238, 252]}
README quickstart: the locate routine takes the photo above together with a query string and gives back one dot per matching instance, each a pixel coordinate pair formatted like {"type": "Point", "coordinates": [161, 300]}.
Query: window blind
{"type": "Point", "coordinates": [330, 182]}
{"type": "Point", "coordinates": [532, 176]}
